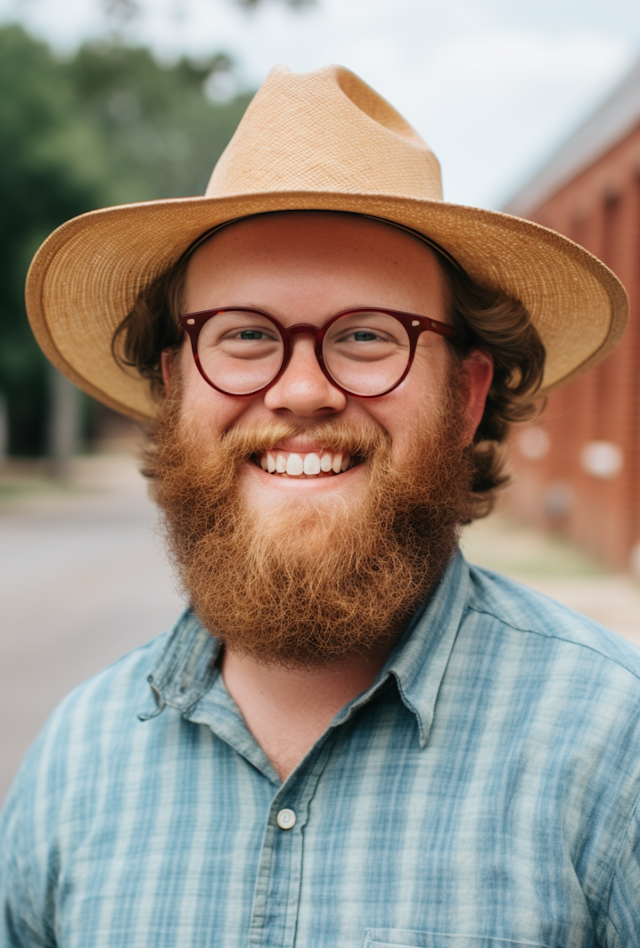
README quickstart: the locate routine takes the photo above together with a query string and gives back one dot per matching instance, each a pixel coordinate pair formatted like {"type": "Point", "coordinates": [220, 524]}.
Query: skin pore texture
{"type": "Point", "coordinates": [304, 267]}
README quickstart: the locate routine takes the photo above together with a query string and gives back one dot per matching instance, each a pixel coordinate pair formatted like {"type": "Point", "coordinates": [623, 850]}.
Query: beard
{"type": "Point", "coordinates": [310, 581]}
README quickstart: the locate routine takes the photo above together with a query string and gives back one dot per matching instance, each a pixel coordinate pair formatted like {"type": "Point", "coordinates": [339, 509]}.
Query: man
{"type": "Point", "coordinates": [352, 738]}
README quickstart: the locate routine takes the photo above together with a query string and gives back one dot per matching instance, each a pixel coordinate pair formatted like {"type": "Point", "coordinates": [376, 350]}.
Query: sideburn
{"type": "Point", "coordinates": [311, 583]}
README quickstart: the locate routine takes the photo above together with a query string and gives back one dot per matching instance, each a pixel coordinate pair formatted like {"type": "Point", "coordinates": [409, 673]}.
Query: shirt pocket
{"type": "Point", "coordinates": [404, 938]}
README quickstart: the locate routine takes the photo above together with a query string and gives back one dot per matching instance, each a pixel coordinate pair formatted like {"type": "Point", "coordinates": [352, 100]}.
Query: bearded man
{"type": "Point", "coordinates": [351, 737]}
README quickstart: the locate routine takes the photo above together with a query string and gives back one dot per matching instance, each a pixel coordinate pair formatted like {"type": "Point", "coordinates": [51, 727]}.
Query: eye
{"type": "Point", "coordinates": [252, 334]}
{"type": "Point", "coordinates": [350, 335]}
{"type": "Point", "coordinates": [248, 334]}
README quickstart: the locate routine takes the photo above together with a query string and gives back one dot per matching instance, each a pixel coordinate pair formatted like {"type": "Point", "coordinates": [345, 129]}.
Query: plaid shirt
{"type": "Point", "coordinates": [481, 794]}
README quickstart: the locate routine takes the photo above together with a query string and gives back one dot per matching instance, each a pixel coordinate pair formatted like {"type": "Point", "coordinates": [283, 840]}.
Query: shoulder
{"type": "Point", "coordinates": [517, 609]}
{"type": "Point", "coordinates": [116, 692]}
{"type": "Point", "coordinates": [94, 719]}
{"type": "Point", "coordinates": [559, 699]}
{"type": "Point", "coordinates": [79, 743]}
{"type": "Point", "coordinates": [74, 780]}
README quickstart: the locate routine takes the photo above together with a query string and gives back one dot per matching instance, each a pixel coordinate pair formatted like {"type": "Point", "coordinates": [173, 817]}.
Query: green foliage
{"type": "Point", "coordinates": [108, 126]}
{"type": "Point", "coordinates": [159, 134]}
{"type": "Point", "coordinates": [39, 188]}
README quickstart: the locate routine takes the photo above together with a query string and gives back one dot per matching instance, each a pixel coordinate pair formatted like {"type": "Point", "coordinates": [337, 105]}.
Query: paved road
{"type": "Point", "coordinates": [83, 580]}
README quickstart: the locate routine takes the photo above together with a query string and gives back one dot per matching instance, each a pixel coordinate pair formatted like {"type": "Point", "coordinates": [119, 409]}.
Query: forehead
{"type": "Point", "coordinates": [344, 259]}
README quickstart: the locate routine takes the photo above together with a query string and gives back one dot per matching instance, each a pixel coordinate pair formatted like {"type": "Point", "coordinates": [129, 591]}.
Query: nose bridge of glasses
{"type": "Point", "coordinates": [303, 329]}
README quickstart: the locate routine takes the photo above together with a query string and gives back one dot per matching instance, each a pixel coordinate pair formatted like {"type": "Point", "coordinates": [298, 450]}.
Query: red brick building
{"type": "Point", "coordinates": [578, 468]}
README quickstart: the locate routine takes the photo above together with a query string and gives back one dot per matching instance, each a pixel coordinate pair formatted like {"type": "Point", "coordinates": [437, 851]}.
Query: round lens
{"type": "Point", "coordinates": [240, 352]}
{"type": "Point", "coordinates": [366, 352]}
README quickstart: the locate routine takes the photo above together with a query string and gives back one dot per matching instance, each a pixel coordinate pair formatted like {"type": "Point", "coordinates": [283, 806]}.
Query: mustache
{"type": "Point", "coordinates": [364, 441]}
{"type": "Point", "coordinates": [215, 464]}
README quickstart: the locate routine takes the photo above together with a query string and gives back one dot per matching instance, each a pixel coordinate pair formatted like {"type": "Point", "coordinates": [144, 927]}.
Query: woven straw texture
{"type": "Point", "coordinates": [314, 141]}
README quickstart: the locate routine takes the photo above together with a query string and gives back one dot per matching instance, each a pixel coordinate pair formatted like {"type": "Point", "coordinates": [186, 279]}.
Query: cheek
{"type": "Point", "coordinates": [413, 407]}
{"type": "Point", "coordinates": [203, 408]}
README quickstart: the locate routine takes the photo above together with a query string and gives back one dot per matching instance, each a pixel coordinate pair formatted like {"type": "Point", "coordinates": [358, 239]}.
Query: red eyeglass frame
{"type": "Point", "coordinates": [413, 324]}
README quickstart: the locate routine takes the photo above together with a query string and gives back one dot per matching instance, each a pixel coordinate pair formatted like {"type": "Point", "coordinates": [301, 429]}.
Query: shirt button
{"type": "Point", "coordinates": [286, 819]}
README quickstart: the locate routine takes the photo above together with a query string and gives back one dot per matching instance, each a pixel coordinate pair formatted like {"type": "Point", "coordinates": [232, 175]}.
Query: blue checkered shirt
{"type": "Point", "coordinates": [481, 794]}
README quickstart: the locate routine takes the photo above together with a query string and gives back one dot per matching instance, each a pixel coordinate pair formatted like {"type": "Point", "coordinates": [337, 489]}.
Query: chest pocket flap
{"type": "Point", "coordinates": [404, 938]}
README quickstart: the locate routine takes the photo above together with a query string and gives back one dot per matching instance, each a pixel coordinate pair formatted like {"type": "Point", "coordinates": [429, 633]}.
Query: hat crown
{"type": "Point", "coordinates": [324, 131]}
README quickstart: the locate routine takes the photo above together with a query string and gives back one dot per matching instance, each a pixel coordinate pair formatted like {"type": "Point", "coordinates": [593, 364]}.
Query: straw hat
{"type": "Point", "coordinates": [322, 140]}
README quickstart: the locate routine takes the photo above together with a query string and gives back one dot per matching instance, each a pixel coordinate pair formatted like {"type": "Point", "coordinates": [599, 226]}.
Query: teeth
{"type": "Point", "coordinates": [294, 465]}
{"type": "Point", "coordinates": [312, 464]}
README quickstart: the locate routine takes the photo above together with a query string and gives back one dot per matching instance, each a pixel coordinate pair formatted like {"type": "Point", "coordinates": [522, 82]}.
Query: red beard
{"type": "Point", "coordinates": [316, 581]}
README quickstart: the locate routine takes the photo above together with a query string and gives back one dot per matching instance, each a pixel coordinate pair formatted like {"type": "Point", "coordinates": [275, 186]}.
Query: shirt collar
{"type": "Point", "coordinates": [419, 660]}
{"type": "Point", "coordinates": [186, 667]}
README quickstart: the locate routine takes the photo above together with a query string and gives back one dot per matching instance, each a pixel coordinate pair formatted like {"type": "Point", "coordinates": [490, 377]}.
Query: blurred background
{"type": "Point", "coordinates": [532, 108]}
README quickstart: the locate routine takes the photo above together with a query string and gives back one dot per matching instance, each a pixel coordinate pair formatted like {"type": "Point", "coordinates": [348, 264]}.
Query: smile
{"type": "Point", "coordinates": [304, 465]}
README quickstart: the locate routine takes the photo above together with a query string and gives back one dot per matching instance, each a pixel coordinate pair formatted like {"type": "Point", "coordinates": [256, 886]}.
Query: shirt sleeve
{"type": "Point", "coordinates": [20, 926]}
{"type": "Point", "coordinates": [623, 917]}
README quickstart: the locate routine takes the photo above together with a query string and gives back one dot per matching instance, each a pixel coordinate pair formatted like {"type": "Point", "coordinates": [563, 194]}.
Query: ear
{"type": "Point", "coordinates": [477, 370]}
{"type": "Point", "coordinates": [167, 361]}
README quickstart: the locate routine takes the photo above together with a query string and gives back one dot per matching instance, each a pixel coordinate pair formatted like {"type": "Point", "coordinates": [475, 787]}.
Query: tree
{"type": "Point", "coordinates": [107, 126]}
{"type": "Point", "coordinates": [42, 183]}
{"type": "Point", "coordinates": [159, 133]}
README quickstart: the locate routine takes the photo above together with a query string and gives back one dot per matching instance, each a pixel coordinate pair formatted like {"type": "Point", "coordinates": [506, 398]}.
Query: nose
{"type": "Point", "coordinates": [303, 389]}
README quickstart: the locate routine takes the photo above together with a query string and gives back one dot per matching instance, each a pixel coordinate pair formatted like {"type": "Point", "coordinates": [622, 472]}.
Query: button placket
{"type": "Point", "coordinates": [277, 892]}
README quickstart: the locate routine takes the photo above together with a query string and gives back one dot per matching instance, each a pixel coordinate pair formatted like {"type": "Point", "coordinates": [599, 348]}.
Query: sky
{"type": "Point", "coordinates": [494, 86]}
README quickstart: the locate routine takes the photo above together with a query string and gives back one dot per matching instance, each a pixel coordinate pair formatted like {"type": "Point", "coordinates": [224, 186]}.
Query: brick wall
{"type": "Point", "coordinates": [579, 471]}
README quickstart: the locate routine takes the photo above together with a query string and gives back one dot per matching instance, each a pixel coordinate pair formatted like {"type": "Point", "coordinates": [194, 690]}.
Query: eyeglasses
{"type": "Point", "coordinates": [367, 352]}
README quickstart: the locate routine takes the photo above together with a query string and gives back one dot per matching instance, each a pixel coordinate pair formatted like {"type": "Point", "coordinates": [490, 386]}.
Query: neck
{"type": "Point", "coordinates": [288, 709]}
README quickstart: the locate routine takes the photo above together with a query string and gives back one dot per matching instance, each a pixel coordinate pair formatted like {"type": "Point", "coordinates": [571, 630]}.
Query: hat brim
{"type": "Point", "coordinates": [86, 276]}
